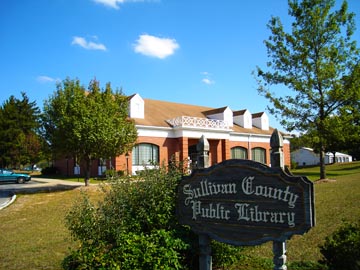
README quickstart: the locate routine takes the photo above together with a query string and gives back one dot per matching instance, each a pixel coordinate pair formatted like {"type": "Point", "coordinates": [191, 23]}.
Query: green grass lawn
{"type": "Point", "coordinates": [333, 171]}
{"type": "Point", "coordinates": [335, 202]}
{"type": "Point", "coordinates": [33, 235]}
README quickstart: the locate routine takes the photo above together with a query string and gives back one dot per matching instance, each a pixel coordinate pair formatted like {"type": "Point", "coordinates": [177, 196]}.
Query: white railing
{"type": "Point", "coordinates": [197, 122]}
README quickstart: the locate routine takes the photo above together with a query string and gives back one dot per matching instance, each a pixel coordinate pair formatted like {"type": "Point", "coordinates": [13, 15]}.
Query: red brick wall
{"type": "Point", "coordinates": [178, 148]}
{"type": "Point", "coordinates": [252, 145]}
{"type": "Point", "coordinates": [168, 148]}
{"type": "Point", "coordinates": [287, 155]}
{"type": "Point", "coordinates": [225, 150]}
{"type": "Point", "coordinates": [66, 167]}
{"type": "Point", "coordinates": [123, 163]}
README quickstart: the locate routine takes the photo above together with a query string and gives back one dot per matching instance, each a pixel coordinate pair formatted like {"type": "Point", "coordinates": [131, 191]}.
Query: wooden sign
{"type": "Point", "coordinates": [243, 202]}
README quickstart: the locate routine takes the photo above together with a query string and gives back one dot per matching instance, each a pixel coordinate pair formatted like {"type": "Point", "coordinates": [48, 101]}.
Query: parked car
{"type": "Point", "coordinates": [10, 176]}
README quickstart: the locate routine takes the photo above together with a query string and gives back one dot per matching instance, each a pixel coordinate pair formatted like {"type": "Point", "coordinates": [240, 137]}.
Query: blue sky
{"type": "Point", "coordinates": [198, 52]}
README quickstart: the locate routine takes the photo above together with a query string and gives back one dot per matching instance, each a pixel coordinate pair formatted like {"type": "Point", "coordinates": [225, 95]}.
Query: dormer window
{"type": "Point", "coordinates": [224, 114]}
{"type": "Point", "coordinates": [260, 120]}
{"type": "Point", "coordinates": [243, 118]}
{"type": "Point", "coordinates": [136, 106]}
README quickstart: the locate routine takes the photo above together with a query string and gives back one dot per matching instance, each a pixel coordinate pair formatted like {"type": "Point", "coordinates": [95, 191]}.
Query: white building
{"type": "Point", "coordinates": [307, 157]}
{"type": "Point", "coordinates": [339, 158]}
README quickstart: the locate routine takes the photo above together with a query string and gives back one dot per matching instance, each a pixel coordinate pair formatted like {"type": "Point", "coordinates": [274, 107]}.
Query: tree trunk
{"type": "Point", "coordinates": [87, 178]}
{"type": "Point", "coordinates": [87, 171]}
{"type": "Point", "coordinates": [321, 130]}
{"type": "Point", "coordinates": [322, 165]}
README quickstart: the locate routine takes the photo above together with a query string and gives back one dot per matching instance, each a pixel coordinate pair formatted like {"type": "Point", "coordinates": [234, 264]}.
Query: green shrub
{"type": "Point", "coordinates": [89, 257]}
{"type": "Point", "coordinates": [341, 250]}
{"type": "Point", "coordinates": [111, 173]}
{"type": "Point", "coordinates": [224, 255]}
{"type": "Point", "coordinates": [135, 227]}
{"type": "Point", "coordinates": [294, 165]}
{"type": "Point", "coordinates": [306, 265]}
{"type": "Point", "coordinates": [157, 250]}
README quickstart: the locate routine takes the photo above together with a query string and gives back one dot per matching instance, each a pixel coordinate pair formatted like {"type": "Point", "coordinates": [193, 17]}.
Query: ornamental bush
{"type": "Point", "coordinates": [341, 250]}
{"type": "Point", "coordinates": [135, 227]}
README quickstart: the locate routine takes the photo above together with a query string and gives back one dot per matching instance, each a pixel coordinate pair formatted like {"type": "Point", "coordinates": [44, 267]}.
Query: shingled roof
{"type": "Point", "coordinates": [157, 112]}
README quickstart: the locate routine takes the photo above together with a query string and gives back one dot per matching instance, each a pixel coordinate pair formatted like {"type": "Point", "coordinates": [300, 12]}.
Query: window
{"type": "Point", "coordinates": [145, 154]}
{"type": "Point", "coordinates": [239, 152]}
{"type": "Point", "coordinates": [258, 154]}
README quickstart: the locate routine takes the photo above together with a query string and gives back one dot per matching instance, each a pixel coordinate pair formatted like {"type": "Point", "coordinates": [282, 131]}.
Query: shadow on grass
{"type": "Point", "coordinates": [349, 168]}
{"type": "Point", "coordinates": [72, 179]}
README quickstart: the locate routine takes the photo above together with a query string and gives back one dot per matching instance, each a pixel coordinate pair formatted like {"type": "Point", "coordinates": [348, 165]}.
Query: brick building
{"type": "Point", "coordinates": [171, 130]}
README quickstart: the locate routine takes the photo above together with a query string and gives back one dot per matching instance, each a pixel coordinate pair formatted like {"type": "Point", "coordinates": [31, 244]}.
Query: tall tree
{"type": "Point", "coordinates": [88, 124]}
{"type": "Point", "coordinates": [351, 116]}
{"type": "Point", "coordinates": [317, 61]}
{"type": "Point", "coordinates": [19, 120]}
{"type": "Point", "coordinates": [33, 149]}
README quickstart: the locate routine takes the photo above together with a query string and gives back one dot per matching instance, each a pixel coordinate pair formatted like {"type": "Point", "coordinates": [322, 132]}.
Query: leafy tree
{"type": "Point", "coordinates": [19, 121]}
{"type": "Point", "coordinates": [336, 136]}
{"type": "Point", "coordinates": [317, 60]}
{"type": "Point", "coordinates": [302, 140]}
{"type": "Point", "coordinates": [341, 136]}
{"type": "Point", "coordinates": [350, 115]}
{"type": "Point", "coordinates": [334, 140]}
{"type": "Point", "coordinates": [352, 128]}
{"type": "Point", "coordinates": [88, 124]}
{"type": "Point", "coordinates": [33, 149]}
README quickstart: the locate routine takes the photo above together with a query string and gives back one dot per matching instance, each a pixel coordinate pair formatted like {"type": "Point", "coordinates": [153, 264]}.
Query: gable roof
{"type": "Point", "coordinates": [215, 111]}
{"type": "Point", "coordinates": [240, 112]}
{"type": "Point", "coordinates": [257, 115]}
{"type": "Point", "coordinates": [157, 112]}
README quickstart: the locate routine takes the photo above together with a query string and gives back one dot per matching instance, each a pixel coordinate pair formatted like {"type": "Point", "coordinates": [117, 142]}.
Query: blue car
{"type": "Point", "coordinates": [10, 176]}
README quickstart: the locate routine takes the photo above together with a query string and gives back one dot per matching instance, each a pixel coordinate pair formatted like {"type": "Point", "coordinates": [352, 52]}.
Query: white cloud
{"type": "Point", "coordinates": [115, 3]}
{"type": "Point", "coordinates": [155, 47]}
{"type": "Point", "coordinates": [207, 80]}
{"type": "Point", "coordinates": [46, 79]}
{"type": "Point", "coordinates": [88, 45]}
{"type": "Point", "coordinates": [110, 3]}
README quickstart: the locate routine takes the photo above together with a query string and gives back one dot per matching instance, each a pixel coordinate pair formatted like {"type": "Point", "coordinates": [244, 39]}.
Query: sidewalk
{"type": "Point", "coordinates": [6, 198]}
{"type": "Point", "coordinates": [9, 191]}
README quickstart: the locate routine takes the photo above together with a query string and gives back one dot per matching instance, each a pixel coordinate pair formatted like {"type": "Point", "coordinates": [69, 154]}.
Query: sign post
{"type": "Point", "coordinates": [205, 260]}
{"type": "Point", "coordinates": [245, 203]}
{"type": "Point", "coordinates": [277, 161]}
